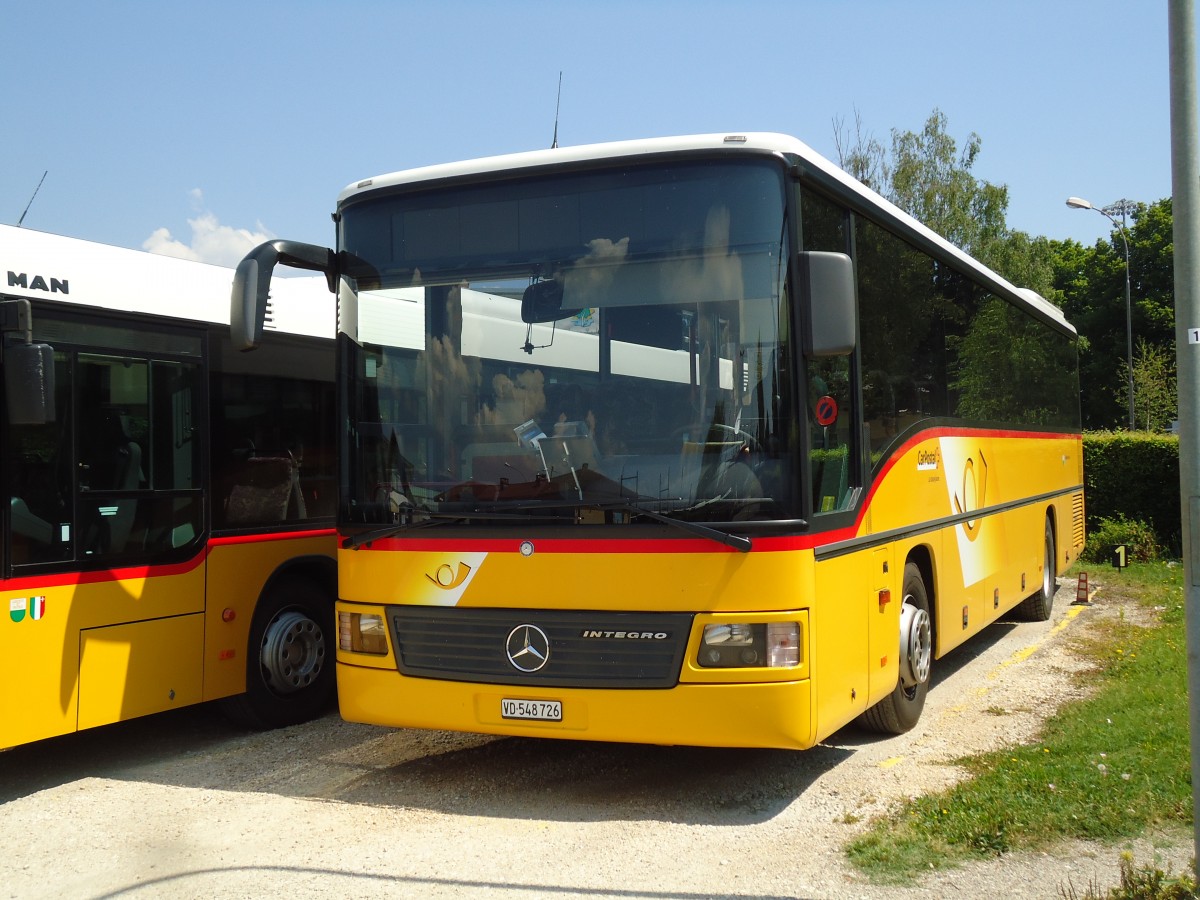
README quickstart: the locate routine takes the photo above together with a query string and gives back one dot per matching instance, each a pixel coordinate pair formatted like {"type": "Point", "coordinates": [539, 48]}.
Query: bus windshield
{"type": "Point", "coordinates": [572, 345]}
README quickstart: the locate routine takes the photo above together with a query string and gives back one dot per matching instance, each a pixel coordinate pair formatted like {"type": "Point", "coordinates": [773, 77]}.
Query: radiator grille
{"type": "Point", "coordinates": [586, 649]}
{"type": "Point", "coordinates": [1077, 521]}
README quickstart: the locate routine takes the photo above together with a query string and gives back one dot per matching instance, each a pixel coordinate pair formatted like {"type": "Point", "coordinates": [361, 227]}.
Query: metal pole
{"type": "Point", "coordinates": [1185, 185]}
{"type": "Point", "coordinates": [1124, 206]}
{"type": "Point", "coordinates": [1128, 322]}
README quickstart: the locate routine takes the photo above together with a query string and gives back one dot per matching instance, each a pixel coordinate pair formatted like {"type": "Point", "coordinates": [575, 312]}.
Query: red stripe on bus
{"type": "Point", "coordinates": [701, 545]}
{"type": "Point", "coordinates": [130, 573]}
{"type": "Point", "coordinates": [230, 540]}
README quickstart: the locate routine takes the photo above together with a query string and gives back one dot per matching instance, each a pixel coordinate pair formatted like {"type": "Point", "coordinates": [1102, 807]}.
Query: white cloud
{"type": "Point", "coordinates": [211, 241]}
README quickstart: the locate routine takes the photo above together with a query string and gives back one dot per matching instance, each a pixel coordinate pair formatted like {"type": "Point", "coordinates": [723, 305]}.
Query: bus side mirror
{"type": "Point", "coordinates": [251, 295]}
{"type": "Point", "coordinates": [826, 287]}
{"type": "Point", "coordinates": [28, 367]}
{"type": "Point", "coordinates": [29, 383]}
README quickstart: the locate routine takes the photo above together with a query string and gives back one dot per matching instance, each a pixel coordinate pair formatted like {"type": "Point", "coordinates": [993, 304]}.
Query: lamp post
{"type": "Point", "coordinates": [1123, 207]}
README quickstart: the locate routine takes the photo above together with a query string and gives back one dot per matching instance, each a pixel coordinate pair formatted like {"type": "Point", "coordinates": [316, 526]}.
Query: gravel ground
{"type": "Point", "coordinates": [185, 805]}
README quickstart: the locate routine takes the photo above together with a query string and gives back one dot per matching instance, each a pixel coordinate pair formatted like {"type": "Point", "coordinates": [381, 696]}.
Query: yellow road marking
{"type": "Point", "coordinates": [1027, 652]}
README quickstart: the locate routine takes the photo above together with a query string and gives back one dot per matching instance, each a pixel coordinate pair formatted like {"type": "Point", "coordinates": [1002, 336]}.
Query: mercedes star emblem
{"type": "Point", "coordinates": [528, 648]}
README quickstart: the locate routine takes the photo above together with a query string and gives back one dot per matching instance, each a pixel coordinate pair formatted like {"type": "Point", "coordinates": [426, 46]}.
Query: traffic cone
{"type": "Point", "coordinates": [1081, 590]}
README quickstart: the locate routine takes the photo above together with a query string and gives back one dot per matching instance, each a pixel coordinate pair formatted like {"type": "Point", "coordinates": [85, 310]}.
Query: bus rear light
{"type": "Point", "coordinates": [361, 633]}
{"type": "Point", "coordinates": [740, 645]}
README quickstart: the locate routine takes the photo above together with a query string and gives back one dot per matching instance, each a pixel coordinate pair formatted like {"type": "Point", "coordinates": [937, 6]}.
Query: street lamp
{"type": "Point", "coordinates": [1123, 207]}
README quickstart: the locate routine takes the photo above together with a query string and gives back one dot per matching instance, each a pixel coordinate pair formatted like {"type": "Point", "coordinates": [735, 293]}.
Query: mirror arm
{"type": "Point", "coordinates": [252, 284]}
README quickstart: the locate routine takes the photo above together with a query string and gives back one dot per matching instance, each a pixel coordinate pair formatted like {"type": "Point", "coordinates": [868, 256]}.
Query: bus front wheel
{"type": "Point", "coordinates": [899, 711]}
{"type": "Point", "coordinates": [289, 667]}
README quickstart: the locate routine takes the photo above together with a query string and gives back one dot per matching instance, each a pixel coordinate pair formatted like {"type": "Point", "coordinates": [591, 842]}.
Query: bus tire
{"type": "Point", "coordinates": [290, 658]}
{"type": "Point", "coordinates": [900, 710]}
{"type": "Point", "coordinates": [1037, 607]}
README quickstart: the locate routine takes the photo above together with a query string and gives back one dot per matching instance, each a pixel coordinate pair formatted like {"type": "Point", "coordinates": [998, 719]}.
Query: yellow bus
{"type": "Point", "coordinates": [169, 537]}
{"type": "Point", "coordinates": [681, 441]}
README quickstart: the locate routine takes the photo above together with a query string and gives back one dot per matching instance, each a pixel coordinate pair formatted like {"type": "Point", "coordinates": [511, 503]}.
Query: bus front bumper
{"type": "Point", "coordinates": [775, 714]}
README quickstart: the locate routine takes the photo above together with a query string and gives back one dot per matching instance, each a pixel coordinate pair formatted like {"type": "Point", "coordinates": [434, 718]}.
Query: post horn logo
{"type": "Point", "coordinates": [974, 494]}
{"type": "Point", "coordinates": [447, 578]}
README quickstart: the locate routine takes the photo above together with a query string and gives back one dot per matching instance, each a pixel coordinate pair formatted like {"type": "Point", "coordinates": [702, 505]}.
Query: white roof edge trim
{"type": "Point", "coordinates": [740, 141]}
{"type": "Point", "coordinates": [104, 277]}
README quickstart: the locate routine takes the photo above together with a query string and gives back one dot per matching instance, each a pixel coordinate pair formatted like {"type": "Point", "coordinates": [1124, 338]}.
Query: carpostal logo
{"type": "Point", "coordinates": [929, 460]}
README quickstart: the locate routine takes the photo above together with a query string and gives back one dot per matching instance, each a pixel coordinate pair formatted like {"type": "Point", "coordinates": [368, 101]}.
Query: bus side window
{"type": "Point", "coordinates": [113, 422]}
{"type": "Point", "coordinates": [138, 488]}
{"type": "Point", "coordinates": [831, 415]}
{"type": "Point", "coordinates": [830, 429]}
{"type": "Point", "coordinates": [270, 450]}
{"type": "Point", "coordinates": [39, 477]}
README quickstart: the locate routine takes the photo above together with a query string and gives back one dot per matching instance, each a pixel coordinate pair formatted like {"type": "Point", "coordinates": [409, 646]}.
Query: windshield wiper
{"type": "Point", "coordinates": [738, 542]}
{"type": "Point", "coordinates": [520, 513]}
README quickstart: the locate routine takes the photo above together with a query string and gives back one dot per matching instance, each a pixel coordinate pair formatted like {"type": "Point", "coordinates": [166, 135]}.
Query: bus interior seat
{"type": "Point", "coordinates": [26, 523]}
{"type": "Point", "coordinates": [267, 489]}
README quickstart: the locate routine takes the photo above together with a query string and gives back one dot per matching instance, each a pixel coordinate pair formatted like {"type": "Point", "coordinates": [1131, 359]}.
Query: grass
{"type": "Point", "coordinates": [1107, 767]}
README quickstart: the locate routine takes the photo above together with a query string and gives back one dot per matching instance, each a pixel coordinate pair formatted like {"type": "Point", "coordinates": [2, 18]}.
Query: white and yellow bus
{"type": "Point", "coordinates": [169, 536]}
{"type": "Point", "coordinates": [681, 441]}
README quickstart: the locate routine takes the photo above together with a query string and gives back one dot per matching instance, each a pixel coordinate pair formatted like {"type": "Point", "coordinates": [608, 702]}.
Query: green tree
{"type": "Point", "coordinates": [1155, 397]}
{"type": "Point", "coordinates": [928, 176]}
{"type": "Point", "coordinates": [1089, 283]}
{"type": "Point", "coordinates": [925, 174]}
{"type": "Point", "coordinates": [933, 183]}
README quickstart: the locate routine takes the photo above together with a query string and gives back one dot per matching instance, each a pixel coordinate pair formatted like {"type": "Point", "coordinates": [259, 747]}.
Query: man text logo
{"type": "Point", "coordinates": [38, 283]}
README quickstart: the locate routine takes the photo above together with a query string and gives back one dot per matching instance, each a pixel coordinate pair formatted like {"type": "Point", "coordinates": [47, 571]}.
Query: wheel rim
{"type": "Point", "coordinates": [293, 652]}
{"type": "Point", "coordinates": [916, 645]}
{"type": "Point", "coordinates": [1048, 568]}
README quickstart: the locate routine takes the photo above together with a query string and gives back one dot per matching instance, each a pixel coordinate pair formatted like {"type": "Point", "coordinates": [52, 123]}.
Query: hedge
{"type": "Point", "coordinates": [1134, 474]}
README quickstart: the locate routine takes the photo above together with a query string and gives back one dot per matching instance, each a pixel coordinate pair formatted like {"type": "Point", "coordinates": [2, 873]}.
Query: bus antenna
{"type": "Point", "coordinates": [47, 172]}
{"type": "Point", "coordinates": [557, 103]}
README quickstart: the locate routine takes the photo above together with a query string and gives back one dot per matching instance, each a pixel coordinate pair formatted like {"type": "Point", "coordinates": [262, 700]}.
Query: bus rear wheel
{"type": "Point", "coordinates": [1037, 608]}
{"type": "Point", "coordinates": [901, 709]}
{"type": "Point", "coordinates": [289, 669]}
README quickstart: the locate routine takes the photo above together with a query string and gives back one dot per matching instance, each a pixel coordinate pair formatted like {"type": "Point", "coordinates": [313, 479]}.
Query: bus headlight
{"type": "Point", "coordinates": [746, 645]}
{"type": "Point", "coordinates": [361, 632]}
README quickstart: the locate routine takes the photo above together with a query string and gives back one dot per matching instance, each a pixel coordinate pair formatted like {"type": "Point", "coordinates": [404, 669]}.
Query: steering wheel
{"type": "Point", "coordinates": [750, 440]}
{"type": "Point", "coordinates": [723, 433]}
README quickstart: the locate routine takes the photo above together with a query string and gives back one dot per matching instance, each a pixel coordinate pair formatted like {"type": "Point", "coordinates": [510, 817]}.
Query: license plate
{"type": "Point", "coordinates": [538, 710]}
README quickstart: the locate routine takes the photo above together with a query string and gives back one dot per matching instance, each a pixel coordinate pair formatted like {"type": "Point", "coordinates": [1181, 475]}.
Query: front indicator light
{"type": "Point", "coordinates": [361, 633]}
{"type": "Point", "coordinates": [783, 644]}
{"type": "Point", "coordinates": [740, 645]}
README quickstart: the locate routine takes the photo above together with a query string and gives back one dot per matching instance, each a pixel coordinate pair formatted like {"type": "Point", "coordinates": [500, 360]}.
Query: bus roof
{"type": "Point", "coordinates": [739, 142]}
{"type": "Point", "coordinates": [44, 266]}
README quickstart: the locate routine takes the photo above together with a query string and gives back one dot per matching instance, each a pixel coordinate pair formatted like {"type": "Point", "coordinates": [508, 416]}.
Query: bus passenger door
{"type": "Point", "coordinates": [840, 625]}
{"type": "Point", "coordinates": [844, 596]}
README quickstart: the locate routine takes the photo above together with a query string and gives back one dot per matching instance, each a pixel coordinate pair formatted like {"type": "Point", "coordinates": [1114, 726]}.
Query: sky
{"type": "Point", "coordinates": [200, 129]}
